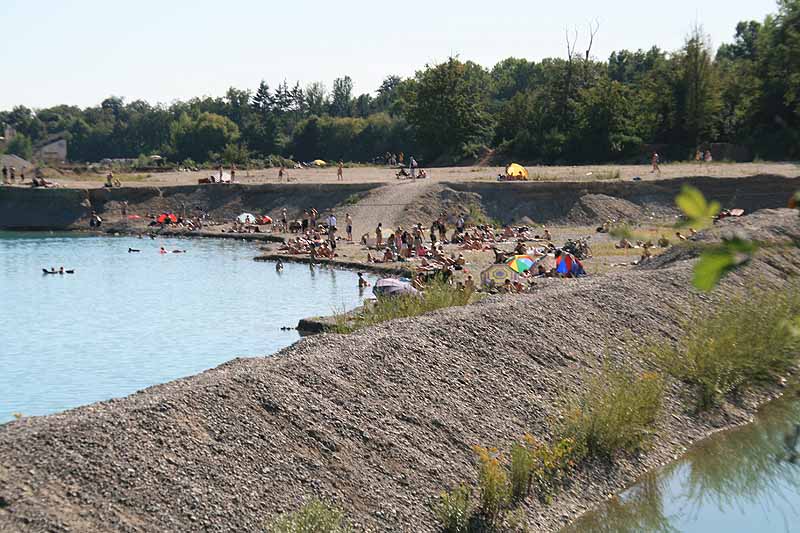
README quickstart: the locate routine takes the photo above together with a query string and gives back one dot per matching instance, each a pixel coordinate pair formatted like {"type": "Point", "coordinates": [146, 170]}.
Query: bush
{"type": "Point", "coordinates": [454, 510]}
{"type": "Point", "coordinates": [314, 516]}
{"type": "Point", "coordinates": [495, 489]}
{"type": "Point", "coordinates": [438, 294]}
{"type": "Point", "coordinates": [748, 341]}
{"type": "Point", "coordinates": [550, 462]}
{"type": "Point", "coordinates": [616, 412]}
{"type": "Point", "coordinates": [521, 471]}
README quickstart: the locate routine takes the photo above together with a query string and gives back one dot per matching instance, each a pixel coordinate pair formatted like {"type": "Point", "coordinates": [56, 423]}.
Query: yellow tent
{"type": "Point", "coordinates": [517, 171]}
{"type": "Point", "coordinates": [319, 163]}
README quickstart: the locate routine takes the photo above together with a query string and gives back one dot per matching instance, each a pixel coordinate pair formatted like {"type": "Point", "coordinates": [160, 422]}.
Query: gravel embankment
{"type": "Point", "coordinates": [378, 421]}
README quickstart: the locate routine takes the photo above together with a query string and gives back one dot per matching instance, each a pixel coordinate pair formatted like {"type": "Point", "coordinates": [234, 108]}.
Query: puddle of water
{"type": "Point", "coordinates": [742, 480]}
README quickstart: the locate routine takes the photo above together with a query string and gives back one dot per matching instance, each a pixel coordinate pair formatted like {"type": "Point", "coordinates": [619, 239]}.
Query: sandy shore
{"type": "Point", "coordinates": [380, 174]}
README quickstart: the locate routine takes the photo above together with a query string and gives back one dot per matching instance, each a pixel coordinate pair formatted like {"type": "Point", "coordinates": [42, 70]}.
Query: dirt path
{"type": "Point", "coordinates": [387, 205]}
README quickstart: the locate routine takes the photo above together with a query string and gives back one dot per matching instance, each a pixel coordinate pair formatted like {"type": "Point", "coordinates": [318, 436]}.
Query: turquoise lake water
{"type": "Point", "coordinates": [125, 321]}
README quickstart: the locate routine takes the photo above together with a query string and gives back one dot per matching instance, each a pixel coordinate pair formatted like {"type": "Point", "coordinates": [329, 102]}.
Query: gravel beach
{"type": "Point", "coordinates": [378, 422]}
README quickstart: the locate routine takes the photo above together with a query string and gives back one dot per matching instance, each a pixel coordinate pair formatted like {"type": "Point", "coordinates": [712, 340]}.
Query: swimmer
{"type": "Point", "coordinates": [279, 265]}
{"type": "Point", "coordinates": [133, 250]}
{"type": "Point", "coordinates": [163, 250]}
{"type": "Point", "coordinates": [61, 270]}
{"type": "Point", "coordinates": [178, 251]}
{"type": "Point", "coordinates": [362, 283]}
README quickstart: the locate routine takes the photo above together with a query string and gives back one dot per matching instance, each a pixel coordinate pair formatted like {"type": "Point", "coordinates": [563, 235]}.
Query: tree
{"type": "Point", "coordinates": [699, 89]}
{"type": "Point", "coordinates": [447, 105]}
{"type": "Point", "coordinates": [342, 99]}
{"type": "Point", "coordinates": [388, 95]}
{"type": "Point", "coordinates": [316, 98]}
{"type": "Point", "coordinates": [207, 134]}
{"type": "Point", "coordinates": [363, 105]}
{"type": "Point", "coordinates": [21, 146]}
{"type": "Point", "coordinates": [263, 101]}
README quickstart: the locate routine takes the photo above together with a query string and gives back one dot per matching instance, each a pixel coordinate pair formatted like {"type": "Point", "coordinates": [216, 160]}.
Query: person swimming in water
{"type": "Point", "coordinates": [133, 250]}
{"type": "Point", "coordinates": [279, 265]}
{"type": "Point", "coordinates": [163, 250]}
{"type": "Point", "coordinates": [362, 283]}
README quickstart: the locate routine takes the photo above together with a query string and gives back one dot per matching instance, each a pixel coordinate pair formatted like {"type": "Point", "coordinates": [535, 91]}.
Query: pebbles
{"type": "Point", "coordinates": [361, 420]}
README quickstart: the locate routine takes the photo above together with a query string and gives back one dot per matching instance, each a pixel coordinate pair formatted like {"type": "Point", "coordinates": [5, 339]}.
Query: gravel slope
{"type": "Point", "coordinates": [379, 421]}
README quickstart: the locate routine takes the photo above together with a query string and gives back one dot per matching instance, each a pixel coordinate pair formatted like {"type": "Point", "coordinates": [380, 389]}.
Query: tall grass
{"type": "Point", "coordinates": [747, 341]}
{"type": "Point", "coordinates": [437, 295]}
{"type": "Point", "coordinates": [314, 516]}
{"type": "Point", "coordinates": [616, 412]}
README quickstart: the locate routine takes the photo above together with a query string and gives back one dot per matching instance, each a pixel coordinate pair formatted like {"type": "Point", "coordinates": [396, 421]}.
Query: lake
{"type": "Point", "coordinates": [124, 321]}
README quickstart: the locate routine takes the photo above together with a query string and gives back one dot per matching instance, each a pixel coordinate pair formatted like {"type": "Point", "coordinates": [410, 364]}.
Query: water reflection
{"type": "Point", "coordinates": [740, 480]}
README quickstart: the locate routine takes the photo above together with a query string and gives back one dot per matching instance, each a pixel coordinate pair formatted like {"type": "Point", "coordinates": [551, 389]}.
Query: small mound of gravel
{"type": "Point", "coordinates": [598, 208]}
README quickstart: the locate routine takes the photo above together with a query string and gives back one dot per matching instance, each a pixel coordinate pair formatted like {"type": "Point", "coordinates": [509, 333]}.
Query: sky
{"type": "Point", "coordinates": [79, 52]}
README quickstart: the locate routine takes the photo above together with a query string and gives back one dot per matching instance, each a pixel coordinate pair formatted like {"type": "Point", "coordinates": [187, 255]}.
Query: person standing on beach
{"type": "Point", "coordinates": [233, 173]}
{"type": "Point", "coordinates": [379, 235]}
{"type": "Point", "coordinates": [340, 171]}
{"type": "Point", "coordinates": [332, 238]}
{"type": "Point", "coordinates": [654, 161]}
{"type": "Point", "coordinates": [12, 173]}
{"type": "Point", "coordinates": [280, 173]}
{"type": "Point", "coordinates": [5, 174]}
{"type": "Point", "coordinates": [412, 165]}
{"type": "Point", "coordinates": [284, 220]}
{"type": "Point", "coordinates": [348, 220]}
{"type": "Point", "coordinates": [331, 220]}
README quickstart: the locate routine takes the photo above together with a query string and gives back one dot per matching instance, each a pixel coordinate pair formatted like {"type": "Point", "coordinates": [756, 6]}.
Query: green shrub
{"type": "Point", "coordinates": [437, 295]}
{"type": "Point", "coordinates": [747, 341]}
{"type": "Point", "coordinates": [314, 516]}
{"type": "Point", "coordinates": [493, 483]}
{"type": "Point", "coordinates": [454, 510]}
{"type": "Point", "coordinates": [521, 471]}
{"type": "Point", "coordinates": [550, 462]}
{"type": "Point", "coordinates": [616, 412]}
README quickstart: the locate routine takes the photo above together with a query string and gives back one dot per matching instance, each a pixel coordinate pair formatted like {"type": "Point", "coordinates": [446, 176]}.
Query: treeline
{"type": "Point", "coordinates": [559, 110]}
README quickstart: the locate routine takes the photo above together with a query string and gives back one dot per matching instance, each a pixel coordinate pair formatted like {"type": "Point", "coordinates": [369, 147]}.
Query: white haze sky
{"type": "Point", "coordinates": [79, 52]}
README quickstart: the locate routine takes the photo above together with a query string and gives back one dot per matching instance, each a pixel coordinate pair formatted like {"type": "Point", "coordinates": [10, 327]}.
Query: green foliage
{"type": "Point", "coordinates": [615, 412]}
{"type": "Point", "coordinates": [747, 341]}
{"type": "Point", "coordinates": [454, 510]}
{"type": "Point", "coordinates": [437, 295]}
{"type": "Point", "coordinates": [208, 134]}
{"type": "Point", "coordinates": [314, 516]}
{"type": "Point", "coordinates": [550, 463]}
{"type": "Point", "coordinates": [698, 211]}
{"type": "Point", "coordinates": [448, 107]}
{"type": "Point", "coordinates": [522, 465]}
{"type": "Point", "coordinates": [717, 261]}
{"type": "Point", "coordinates": [20, 146]}
{"type": "Point", "coordinates": [493, 484]}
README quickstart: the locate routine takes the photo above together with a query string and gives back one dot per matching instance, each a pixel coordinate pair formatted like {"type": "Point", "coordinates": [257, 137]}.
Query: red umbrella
{"type": "Point", "coordinates": [163, 217]}
{"type": "Point", "coordinates": [266, 220]}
